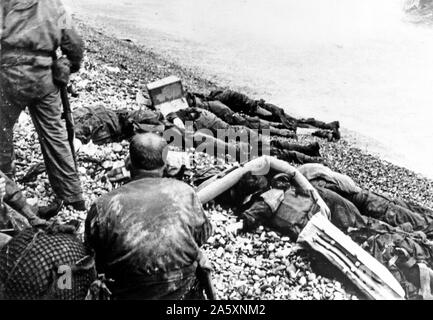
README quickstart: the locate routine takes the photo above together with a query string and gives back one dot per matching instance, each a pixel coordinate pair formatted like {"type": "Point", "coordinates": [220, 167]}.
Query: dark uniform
{"type": "Point", "coordinates": [239, 102]}
{"type": "Point", "coordinates": [147, 236]}
{"type": "Point", "coordinates": [204, 119]}
{"type": "Point", "coordinates": [395, 212]}
{"type": "Point", "coordinates": [32, 32]}
{"type": "Point", "coordinates": [236, 119]}
{"type": "Point", "coordinates": [393, 231]}
{"type": "Point", "coordinates": [352, 207]}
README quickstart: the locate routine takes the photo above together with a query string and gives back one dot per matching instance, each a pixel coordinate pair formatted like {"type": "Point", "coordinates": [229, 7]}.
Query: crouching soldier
{"type": "Point", "coordinates": [147, 234]}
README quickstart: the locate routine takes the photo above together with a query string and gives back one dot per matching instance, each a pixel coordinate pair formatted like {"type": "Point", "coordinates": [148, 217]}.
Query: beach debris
{"type": "Point", "coordinates": [167, 95]}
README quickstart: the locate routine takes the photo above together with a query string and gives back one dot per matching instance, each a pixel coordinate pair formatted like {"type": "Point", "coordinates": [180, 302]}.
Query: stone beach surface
{"type": "Point", "coordinates": [259, 265]}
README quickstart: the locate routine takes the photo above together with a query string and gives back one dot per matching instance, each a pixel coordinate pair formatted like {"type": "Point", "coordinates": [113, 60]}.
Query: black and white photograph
{"type": "Point", "coordinates": [216, 155]}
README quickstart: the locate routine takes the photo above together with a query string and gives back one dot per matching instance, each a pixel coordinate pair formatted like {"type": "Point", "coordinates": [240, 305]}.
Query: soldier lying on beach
{"type": "Point", "coordinates": [236, 119]}
{"type": "Point", "coordinates": [395, 232]}
{"type": "Point", "coordinates": [102, 125]}
{"type": "Point", "coordinates": [241, 103]}
{"type": "Point", "coordinates": [203, 119]}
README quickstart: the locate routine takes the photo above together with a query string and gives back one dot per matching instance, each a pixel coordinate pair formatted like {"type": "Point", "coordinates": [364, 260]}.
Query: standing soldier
{"type": "Point", "coordinates": [31, 32]}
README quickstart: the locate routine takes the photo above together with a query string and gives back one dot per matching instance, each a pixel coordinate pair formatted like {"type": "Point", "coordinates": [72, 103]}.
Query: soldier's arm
{"type": "Point", "coordinates": [259, 166]}
{"type": "Point", "coordinates": [72, 46]}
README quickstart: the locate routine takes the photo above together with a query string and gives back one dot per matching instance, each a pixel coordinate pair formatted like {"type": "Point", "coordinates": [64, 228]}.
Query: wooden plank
{"type": "Point", "coordinates": [370, 276]}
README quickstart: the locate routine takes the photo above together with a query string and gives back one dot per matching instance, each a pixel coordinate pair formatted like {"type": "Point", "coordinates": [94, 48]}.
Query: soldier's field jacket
{"type": "Point", "coordinates": [147, 237]}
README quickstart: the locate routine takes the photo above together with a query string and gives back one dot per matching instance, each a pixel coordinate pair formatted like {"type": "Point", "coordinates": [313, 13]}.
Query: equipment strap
{"type": "Point", "coordinates": [10, 50]}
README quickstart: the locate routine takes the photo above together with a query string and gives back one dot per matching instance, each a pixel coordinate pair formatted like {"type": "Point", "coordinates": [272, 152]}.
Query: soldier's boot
{"type": "Point", "coordinates": [325, 134]}
{"type": "Point", "coordinates": [313, 149]}
{"type": "Point", "coordinates": [335, 127]}
{"type": "Point", "coordinates": [78, 205]}
{"type": "Point", "coordinates": [51, 210]}
{"type": "Point", "coordinates": [284, 133]}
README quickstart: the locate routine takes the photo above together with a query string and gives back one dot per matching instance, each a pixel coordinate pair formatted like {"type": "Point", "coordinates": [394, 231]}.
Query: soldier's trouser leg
{"type": "Point", "coordinates": [294, 156]}
{"type": "Point", "coordinates": [220, 148]}
{"type": "Point", "coordinates": [280, 116]}
{"type": "Point", "coordinates": [225, 113]}
{"type": "Point", "coordinates": [315, 123]}
{"type": "Point", "coordinates": [236, 101]}
{"type": "Point", "coordinates": [55, 148]}
{"type": "Point", "coordinates": [9, 114]}
{"type": "Point", "coordinates": [384, 209]}
{"type": "Point", "coordinates": [344, 214]}
{"type": "Point", "coordinates": [414, 207]}
{"type": "Point", "coordinates": [312, 149]}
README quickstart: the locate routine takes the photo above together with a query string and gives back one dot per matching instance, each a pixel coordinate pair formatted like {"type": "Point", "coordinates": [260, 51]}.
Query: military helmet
{"type": "Point", "coordinates": [40, 265]}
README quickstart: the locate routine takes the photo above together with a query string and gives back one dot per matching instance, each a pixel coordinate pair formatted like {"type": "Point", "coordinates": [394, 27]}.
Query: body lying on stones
{"type": "Point", "coordinates": [102, 125]}
{"type": "Point", "coordinates": [395, 232]}
{"type": "Point", "coordinates": [241, 103]}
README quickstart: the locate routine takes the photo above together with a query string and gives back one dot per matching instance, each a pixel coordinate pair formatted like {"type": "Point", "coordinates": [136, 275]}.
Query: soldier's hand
{"type": "Point", "coordinates": [37, 222]}
{"type": "Point", "coordinates": [61, 71]}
